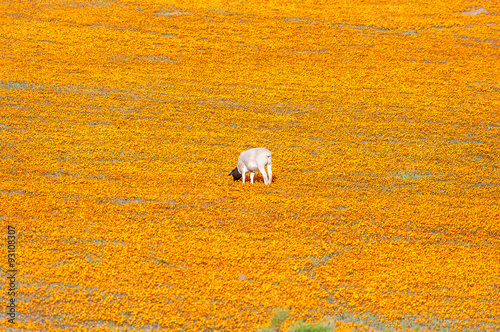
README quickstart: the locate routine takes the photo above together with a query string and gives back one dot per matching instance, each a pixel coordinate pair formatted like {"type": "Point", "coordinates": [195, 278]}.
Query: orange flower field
{"type": "Point", "coordinates": [120, 121]}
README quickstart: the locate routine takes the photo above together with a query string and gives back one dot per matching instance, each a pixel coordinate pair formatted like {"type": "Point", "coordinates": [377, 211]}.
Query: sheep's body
{"type": "Point", "coordinates": [254, 160]}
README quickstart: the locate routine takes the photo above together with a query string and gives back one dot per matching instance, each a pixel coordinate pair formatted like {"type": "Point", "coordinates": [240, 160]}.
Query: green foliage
{"type": "Point", "coordinates": [310, 327]}
{"type": "Point", "coordinates": [281, 315]}
{"type": "Point", "coordinates": [277, 320]}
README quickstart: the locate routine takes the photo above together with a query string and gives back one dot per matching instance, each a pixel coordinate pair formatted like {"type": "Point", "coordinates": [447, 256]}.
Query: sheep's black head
{"type": "Point", "coordinates": [236, 174]}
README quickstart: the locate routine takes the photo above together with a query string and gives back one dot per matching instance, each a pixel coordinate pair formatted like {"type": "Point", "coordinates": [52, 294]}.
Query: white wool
{"type": "Point", "coordinates": [254, 160]}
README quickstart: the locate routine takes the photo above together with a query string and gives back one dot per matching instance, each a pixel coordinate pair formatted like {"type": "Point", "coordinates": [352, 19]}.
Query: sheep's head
{"type": "Point", "coordinates": [236, 174]}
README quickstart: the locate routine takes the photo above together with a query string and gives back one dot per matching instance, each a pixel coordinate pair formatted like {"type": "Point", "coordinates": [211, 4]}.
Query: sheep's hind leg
{"type": "Point", "coordinates": [252, 174]}
{"type": "Point", "coordinates": [264, 175]}
{"type": "Point", "coordinates": [269, 174]}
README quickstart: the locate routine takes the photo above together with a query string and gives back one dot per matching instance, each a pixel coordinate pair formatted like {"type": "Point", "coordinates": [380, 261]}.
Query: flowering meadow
{"type": "Point", "coordinates": [120, 121]}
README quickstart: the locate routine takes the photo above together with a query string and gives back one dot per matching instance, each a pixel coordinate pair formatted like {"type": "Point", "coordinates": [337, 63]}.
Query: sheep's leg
{"type": "Point", "coordinates": [252, 174]}
{"type": "Point", "coordinates": [264, 175]}
{"type": "Point", "coordinates": [244, 173]}
{"type": "Point", "coordinates": [269, 174]}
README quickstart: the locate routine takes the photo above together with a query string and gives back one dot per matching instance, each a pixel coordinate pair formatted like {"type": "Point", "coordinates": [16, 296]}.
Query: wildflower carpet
{"type": "Point", "coordinates": [120, 120]}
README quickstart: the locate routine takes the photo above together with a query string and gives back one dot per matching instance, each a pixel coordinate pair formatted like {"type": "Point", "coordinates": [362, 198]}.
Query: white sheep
{"type": "Point", "coordinates": [251, 161]}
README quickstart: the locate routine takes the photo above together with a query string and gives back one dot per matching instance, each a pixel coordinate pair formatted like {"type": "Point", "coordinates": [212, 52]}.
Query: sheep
{"type": "Point", "coordinates": [251, 161]}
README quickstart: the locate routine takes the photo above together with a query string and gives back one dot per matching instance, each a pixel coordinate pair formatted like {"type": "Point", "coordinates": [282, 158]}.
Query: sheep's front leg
{"type": "Point", "coordinates": [252, 174]}
{"type": "Point", "coordinates": [244, 173]}
{"type": "Point", "coordinates": [269, 174]}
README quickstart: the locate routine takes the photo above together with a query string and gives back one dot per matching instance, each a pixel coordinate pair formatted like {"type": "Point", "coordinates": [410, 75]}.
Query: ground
{"type": "Point", "coordinates": [120, 120]}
